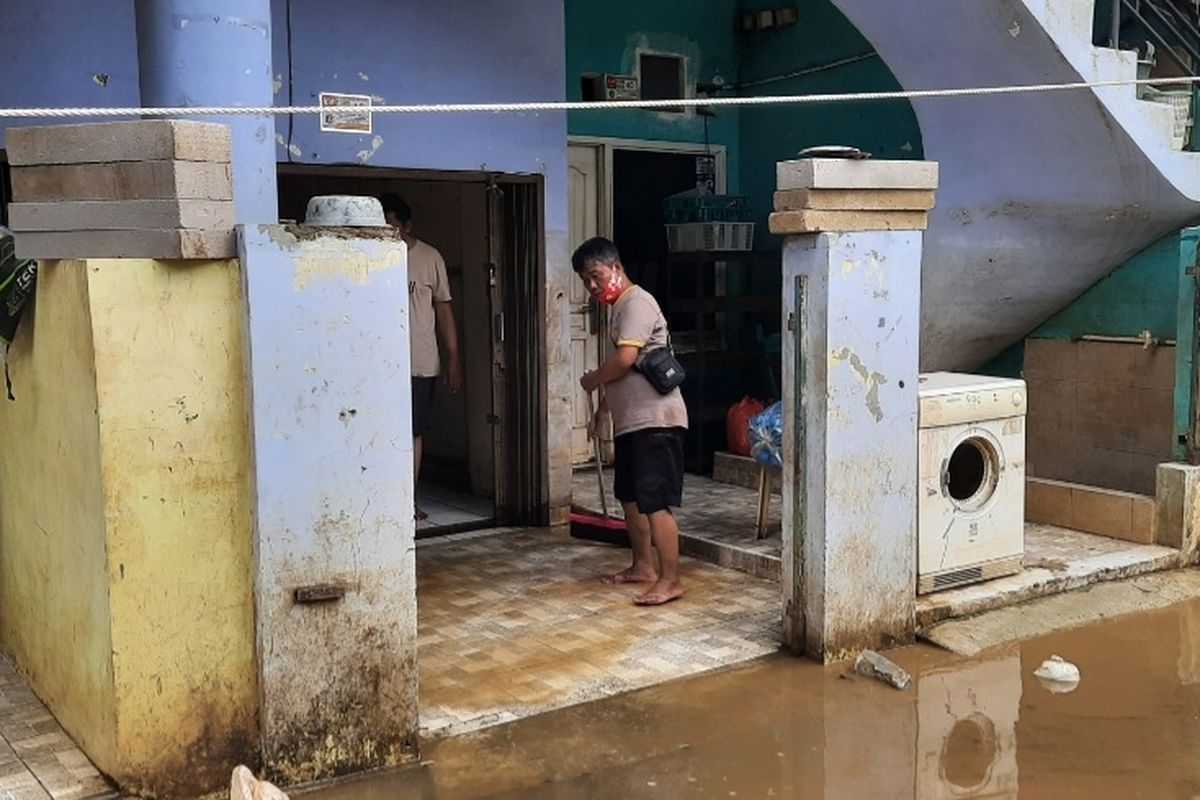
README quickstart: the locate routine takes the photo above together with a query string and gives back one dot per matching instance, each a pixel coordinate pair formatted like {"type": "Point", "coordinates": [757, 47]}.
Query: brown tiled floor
{"type": "Point", "coordinates": [516, 622]}
{"type": "Point", "coordinates": [37, 758]}
{"type": "Point", "coordinates": [716, 521]}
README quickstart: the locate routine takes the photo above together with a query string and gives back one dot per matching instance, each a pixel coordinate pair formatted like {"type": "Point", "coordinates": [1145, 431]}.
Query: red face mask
{"type": "Point", "coordinates": [612, 290]}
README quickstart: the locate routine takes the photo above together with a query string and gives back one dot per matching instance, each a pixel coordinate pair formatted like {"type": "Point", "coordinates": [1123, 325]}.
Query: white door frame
{"type": "Point", "coordinates": [605, 145]}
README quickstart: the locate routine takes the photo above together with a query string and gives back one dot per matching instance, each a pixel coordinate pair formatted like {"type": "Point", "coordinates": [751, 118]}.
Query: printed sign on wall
{"type": "Point", "coordinates": [347, 113]}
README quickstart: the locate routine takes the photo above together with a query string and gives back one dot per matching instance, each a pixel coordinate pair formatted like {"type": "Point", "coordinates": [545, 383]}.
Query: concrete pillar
{"type": "Point", "coordinates": [216, 52]}
{"type": "Point", "coordinates": [125, 593]}
{"type": "Point", "coordinates": [334, 536]}
{"type": "Point", "coordinates": [852, 301]}
{"type": "Point", "coordinates": [1177, 512]}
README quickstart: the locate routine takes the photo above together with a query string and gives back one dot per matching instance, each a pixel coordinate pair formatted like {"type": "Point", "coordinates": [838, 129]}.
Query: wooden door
{"type": "Point", "coordinates": [584, 197]}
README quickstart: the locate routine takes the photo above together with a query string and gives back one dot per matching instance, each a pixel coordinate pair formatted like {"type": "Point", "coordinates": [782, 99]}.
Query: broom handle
{"type": "Point", "coordinates": [596, 449]}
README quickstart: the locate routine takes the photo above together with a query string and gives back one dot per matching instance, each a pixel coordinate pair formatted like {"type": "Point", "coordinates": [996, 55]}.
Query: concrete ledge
{"type": "Point", "coordinates": [837, 173]}
{"type": "Point", "coordinates": [730, 556]}
{"type": "Point", "coordinates": [854, 199]}
{"type": "Point", "coordinates": [127, 180]}
{"type": "Point", "coordinates": [1106, 512]}
{"type": "Point", "coordinates": [973, 635]}
{"type": "Point", "coordinates": [811, 221]}
{"type": "Point", "coordinates": [741, 471]}
{"type": "Point", "coordinates": [100, 142]}
{"type": "Point", "coordinates": [168, 244]}
{"type": "Point", "coordinates": [1042, 581]}
{"type": "Point", "coordinates": [121, 215]}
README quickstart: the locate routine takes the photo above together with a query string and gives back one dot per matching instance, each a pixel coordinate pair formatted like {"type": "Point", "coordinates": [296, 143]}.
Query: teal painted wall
{"type": "Point", "coordinates": [770, 134]}
{"type": "Point", "coordinates": [607, 37]}
{"type": "Point", "coordinates": [1141, 294]}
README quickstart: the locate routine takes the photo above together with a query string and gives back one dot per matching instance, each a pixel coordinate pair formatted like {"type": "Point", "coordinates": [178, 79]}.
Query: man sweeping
{"type": "Point", "coordinates": [649, 421]}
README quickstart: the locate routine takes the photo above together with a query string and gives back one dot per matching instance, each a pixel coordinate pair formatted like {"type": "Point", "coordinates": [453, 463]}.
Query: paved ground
{"type": "Point", "coordinates": [37, 758]}
{"type": "Point", "coordinates": [718, 521]}
{"type": "Point", "coordinates": [515, 623]}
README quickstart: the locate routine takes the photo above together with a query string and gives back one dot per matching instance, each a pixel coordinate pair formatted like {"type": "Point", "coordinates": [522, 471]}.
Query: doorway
{"type": "Point", "coordinates": [482, 463]}
{"type": "Point", "coordinates": [616, 190]}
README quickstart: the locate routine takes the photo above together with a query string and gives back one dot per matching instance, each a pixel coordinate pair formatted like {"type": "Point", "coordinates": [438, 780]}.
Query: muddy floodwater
{"type": "Point", "coordinates": [977, 727]}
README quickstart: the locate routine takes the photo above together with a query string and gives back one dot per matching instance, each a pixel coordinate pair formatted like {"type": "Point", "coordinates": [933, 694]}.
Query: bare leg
{"type": "Point", "coordinates": [417, 451]}
{"type": "Point", "coordinates": [664, 531]}
{"type": "Point", "coordinates": [642, 569]}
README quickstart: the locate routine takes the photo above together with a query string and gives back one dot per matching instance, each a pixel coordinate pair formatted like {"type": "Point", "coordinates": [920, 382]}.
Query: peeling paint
{"type": "Point", "coordinates": [100, 79]}
{"type": "Point", "coordinates": [277, 84]}
{"type": "Point", "coordinates": [872, 380]}
{"type": "Point", "coordinates": [1015, 30]}
{"type": "Point", "coordinates": [291, 148]}
{"type": "Point", "coordinates": [365, 155]}
{"type": "Point", "coordinates": [362, 76]}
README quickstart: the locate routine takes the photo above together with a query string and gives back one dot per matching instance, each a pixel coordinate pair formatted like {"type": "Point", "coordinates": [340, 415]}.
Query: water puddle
{"type": "Point", "coordinates": [978, 727]}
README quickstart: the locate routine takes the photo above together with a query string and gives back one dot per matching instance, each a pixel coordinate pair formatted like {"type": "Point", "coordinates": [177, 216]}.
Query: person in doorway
{"type": "Point", "coordinates": [430, 317]}
{"type": "Point", "coordinates": [649, 426]}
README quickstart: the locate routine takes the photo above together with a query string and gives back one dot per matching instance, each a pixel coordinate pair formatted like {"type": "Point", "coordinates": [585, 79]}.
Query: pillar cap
{"type": "Point", "coordinates": [843, 195]}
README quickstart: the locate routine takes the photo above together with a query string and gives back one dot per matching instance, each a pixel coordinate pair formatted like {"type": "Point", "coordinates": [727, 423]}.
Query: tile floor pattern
{"type": "Point", "coordinates": [517, 623]}
{"type": "Point", "coordinates": [448, 508]}
{"type": "Point", "coordinates": [716, 521]}
{"type": "Point", "coordinates": [722, 515]}
{"type": "Point", "coordinates": [37, 758]}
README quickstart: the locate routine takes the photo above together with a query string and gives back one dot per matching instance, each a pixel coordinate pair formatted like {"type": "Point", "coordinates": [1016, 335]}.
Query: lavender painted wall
{"type": "Point", "coordinates": [450, 51]}
{"type": "Point", "coordinates": [36, 35]}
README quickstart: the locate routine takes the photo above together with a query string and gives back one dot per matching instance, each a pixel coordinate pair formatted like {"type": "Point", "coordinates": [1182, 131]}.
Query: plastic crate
{"type": "Point", "coordinates": [679, 216]}
{"type": "Point", "coordinates": [691, 237]}
{"type": "Point", "coordinates": [1180, 102]}
{"type": "Point", "coordinates": [686, 200]}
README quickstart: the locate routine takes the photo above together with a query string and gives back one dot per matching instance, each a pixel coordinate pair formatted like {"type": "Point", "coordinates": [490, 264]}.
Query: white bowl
{"type": "Point", "coordinates": [345, 211]}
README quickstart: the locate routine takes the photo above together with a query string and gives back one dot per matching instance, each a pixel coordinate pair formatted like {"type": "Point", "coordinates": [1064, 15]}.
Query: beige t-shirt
{"type": "Point", "coordinates": [636, 405]}
{"type": "Point", "coordinates": [427, 284]}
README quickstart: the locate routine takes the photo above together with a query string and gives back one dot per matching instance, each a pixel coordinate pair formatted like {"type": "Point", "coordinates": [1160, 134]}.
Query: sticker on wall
{"type": "Point", "coordinates": [622, 87]}
{"type": "Point", "coordinates": [347, 113]}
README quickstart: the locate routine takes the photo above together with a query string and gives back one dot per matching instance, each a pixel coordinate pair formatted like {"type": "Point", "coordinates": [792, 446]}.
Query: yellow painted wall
{"type": "Point", "coordinates": [132, 611]}
{"type": "Point", "coordinates": [170, 377]}
{"type": "Point", "coordinates": [53, 587]}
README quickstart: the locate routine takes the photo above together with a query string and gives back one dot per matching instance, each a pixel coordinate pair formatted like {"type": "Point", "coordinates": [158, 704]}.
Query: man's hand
{"type": "Point", "coordinates": [597, 423]}
{"type": "Point", "coordinates": [590, 381]}
{"type": "Point", "coordinates": [453, 376]}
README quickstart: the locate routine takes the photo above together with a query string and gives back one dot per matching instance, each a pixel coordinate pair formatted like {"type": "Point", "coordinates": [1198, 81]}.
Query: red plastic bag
{"type": "Point", "coordinates": [737, 425]}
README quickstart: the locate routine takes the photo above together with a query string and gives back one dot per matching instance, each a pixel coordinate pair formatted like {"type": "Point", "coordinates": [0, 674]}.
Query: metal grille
{"type": "Point", "coordinates": [968, 575]}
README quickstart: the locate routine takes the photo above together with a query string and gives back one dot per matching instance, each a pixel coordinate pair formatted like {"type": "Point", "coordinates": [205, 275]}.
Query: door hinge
{"type": "Point", "coordinates": [493, 419]}
{"type": "Point", "coordinates": [498, 326]}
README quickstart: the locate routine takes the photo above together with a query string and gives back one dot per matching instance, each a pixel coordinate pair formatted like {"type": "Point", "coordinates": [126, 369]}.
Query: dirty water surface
{"type": "Point", "coordinates": [782, 727]}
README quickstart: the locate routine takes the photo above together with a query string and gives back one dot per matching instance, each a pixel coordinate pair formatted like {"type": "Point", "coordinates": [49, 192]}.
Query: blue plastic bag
{"type": "Point", "coordinates": [766, 436]}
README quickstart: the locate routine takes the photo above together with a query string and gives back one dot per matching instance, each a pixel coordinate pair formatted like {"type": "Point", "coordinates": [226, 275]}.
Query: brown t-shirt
{"type": "Point", "coordinates": [636, 405]}
{"type": "Point", "coordinates": [427, 284]}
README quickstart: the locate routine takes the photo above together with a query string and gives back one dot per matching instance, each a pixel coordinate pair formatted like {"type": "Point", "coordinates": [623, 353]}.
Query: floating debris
{"type": "Point", "coordinates": [872, 665]}
{"type": "Point", "coordinates": [1058, 675]}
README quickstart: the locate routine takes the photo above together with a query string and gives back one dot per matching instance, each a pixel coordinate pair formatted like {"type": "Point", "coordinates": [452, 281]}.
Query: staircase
{"type": "Point", "coordinates": [1041, 195]}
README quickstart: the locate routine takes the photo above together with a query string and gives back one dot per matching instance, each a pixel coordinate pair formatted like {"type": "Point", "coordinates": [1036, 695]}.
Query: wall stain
{"type": "Point", "coordinates": [873, 380]}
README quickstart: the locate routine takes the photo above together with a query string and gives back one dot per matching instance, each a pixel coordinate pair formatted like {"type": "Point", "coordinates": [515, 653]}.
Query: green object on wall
{"type": "Point", "coordinates": [1185, 339]}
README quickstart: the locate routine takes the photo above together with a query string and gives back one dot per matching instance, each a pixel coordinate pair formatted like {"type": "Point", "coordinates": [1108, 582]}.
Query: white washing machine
{"type": "Point", "coordinates": [971, 490]}
{"type": "Point", "coordinates": [967, 735]}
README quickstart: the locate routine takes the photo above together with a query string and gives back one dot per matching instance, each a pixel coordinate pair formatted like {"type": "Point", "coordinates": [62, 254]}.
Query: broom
{"type": "Point", "coordinates": [605, 529]}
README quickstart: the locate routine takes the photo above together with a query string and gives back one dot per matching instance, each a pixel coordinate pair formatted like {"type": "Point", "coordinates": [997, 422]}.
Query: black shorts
{"type": "Point", "coordinates": [649, 468]}
{"type": "Point", "coordinates": [422, 404]}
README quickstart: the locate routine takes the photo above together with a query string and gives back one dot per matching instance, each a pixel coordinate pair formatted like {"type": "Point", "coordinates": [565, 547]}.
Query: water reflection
{"type": "Point", "coordinates": [967, 740]}
{"type": "Point", "coordinates": [980, 727]}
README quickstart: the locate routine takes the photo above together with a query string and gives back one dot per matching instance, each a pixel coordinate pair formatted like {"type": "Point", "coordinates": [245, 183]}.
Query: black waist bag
{"type": "Point", "coordinates": [662, 369]}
